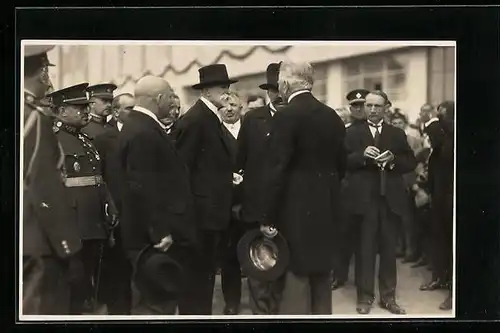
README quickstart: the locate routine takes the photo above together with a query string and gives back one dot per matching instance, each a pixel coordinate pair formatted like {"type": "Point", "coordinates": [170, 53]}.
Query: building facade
{"type": "Point", "coordinates": [411, 75]}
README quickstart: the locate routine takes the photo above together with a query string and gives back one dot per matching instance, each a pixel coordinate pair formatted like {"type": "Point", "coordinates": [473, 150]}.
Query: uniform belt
{"type": "Point", "coordinates": [83, 181]}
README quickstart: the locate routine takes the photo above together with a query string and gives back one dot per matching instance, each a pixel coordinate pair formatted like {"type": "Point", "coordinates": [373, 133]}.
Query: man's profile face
{"type": "Point", "coordinates": [126, 105]}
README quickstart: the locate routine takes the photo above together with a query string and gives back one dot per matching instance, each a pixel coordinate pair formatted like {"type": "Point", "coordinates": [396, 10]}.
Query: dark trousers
{"type": "Point", "coordinates": [306, 294]}
{"type": "Point", "coordinates": [229, 265]}
{"type": "Point", "coordinates": [115, 281]}
{"type": "Point", "coordinates": [347, 244]}
{"type": "Point", "coordinates": [265, 297]}
{"type": "Point", "coordinates": [198, 294]}
{"type": "Point", "coordinates": [407, 230]}
{"type": "Point", "coordinates": [105, 279]}
{"type": "Point", "coordinates": [378, 230]}
{"type": "Point", "coordinates": [46, 288]}
{"type": "Point", "coordinates": [423, 224]}
{"type": "Point", "coordinates": [442, 241]}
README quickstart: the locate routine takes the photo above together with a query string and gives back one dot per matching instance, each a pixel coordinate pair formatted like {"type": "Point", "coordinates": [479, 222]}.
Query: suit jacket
{"type": "Point", "coordinates": [303, 179]}
{"type": "Point", "coordinates": [157, 201]}
{"type": "Point", "coordinates": [253, 145]}
{"type": "Point", "coordinates": [200, 142]}
{"type": "Point", "coordinates": [94, 128]}
{"type": "Point", "coordinates": [107, 144]}
{"type": "Point", "coordinates": [364, 176]}
{"type": "Point", "coordinates": [232, 144]}
{"type": "Point", "coordinates": [48, 226]}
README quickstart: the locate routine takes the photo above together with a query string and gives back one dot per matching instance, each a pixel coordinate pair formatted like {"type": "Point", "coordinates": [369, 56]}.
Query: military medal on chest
{"type": "Point", "coordinates": [76, 167]}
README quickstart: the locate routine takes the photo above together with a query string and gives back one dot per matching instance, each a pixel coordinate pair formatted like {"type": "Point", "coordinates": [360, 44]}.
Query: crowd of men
{"type": "Point", "coordinates": [130, 208]}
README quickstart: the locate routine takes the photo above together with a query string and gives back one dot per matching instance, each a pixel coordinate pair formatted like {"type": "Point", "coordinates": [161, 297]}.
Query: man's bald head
{"type": "Point", "coordinates": [155, 94]}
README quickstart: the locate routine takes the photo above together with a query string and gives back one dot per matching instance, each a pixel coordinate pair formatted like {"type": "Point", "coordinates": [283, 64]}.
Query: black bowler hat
{"type": "Point", "coordinates": [104, 91]}
{"type": "Point", "coordinates": [157, 272]}
{"type": "Point", "coordinates": [262, 258]}
{"type": "Point", "coordinates": [76, 95]}
{"type": "Point", "coordinates": [272, 73]}
{"type": "Point", "coordinates": [357, 96]}
{"type": "Point", "coordinates": [213, 75]}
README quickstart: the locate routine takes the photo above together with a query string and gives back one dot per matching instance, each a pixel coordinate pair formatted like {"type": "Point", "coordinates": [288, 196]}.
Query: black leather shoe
{"type": "Point", "coordinates": [446, 305]}
{"type": "Point", "coordinates": [336, 284]}
{"type": "Point", "coordinates": [433, 285]}
{"type": "Point", "coordinates": [363, 308]}
{"type": "Point", "coordinates": [231, 310]}
{"type": "Point", "coordinates": [392, 307]}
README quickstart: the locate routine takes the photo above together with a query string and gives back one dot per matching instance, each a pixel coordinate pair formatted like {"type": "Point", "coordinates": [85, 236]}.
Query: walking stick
{"type": "Point", "coordinates": [98, 277]}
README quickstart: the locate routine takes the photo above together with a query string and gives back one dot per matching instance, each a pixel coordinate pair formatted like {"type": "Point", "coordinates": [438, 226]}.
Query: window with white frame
{"type": "Point", "coordinates": [387, 72]}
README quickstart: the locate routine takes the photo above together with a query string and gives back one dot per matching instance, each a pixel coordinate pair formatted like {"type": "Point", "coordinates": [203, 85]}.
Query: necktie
{"type": "Point", "coordinates": [376, 137]}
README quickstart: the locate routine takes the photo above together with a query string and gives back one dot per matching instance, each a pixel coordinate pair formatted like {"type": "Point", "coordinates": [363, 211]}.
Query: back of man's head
{"type": "Point", "coordinates": [297, 75]}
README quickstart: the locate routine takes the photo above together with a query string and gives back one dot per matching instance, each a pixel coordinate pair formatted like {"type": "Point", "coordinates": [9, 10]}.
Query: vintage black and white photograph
{"type": "Point", "coordinates": [237, 179]}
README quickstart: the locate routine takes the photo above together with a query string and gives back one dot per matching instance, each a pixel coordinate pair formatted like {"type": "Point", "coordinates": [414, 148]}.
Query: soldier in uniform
{"type": "Point", "coordinates": [348, 239]}
{"type": "Point", "coordinates": [90, 201]}
{"type": "Point", "coordinates": [50, 237]}
{"type": "Point", "coordinates": [101, 98]}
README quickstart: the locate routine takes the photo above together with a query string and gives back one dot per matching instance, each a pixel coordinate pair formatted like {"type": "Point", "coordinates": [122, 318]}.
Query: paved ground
{"type": "Point", "coordinates": [416, 302]}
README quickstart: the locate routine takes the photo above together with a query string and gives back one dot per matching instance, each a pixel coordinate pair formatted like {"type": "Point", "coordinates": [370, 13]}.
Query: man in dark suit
{"type": "Point", "coordinates": [229, 265]}
{"type": "Point", "coordinates": [348, 231]}
{"type": "Point", "coordinates": [376, 196]}
{"type": "Point", "coordinates": [253, 143]}
{"type": "Point", "coordinates": [51, 239]}
{"type": "Point", "coordinates": [200, 143]}
{"type": "Point", "coordinates": [157, 203]}
{"type": "Point", "coordinates": [101, 97]}
{"type": "Point", "coordinates": [306, 163]}
{"type": "Point", "coordinates": [115, 264]}
{"type": "Point", "coordinates": [91, 201]}
{"type": "Point", "coordinates": [443, 200]}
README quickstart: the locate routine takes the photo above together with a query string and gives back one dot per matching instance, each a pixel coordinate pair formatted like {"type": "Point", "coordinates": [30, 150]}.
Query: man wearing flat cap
{"type": "Point", "coordinates": [200, 143]}
{"type": "Point", "coordinates": [92, 206]}
{"type": "Point", "coordinates": [50, 235]}
{"type": "Point", "coordinates": [253, 143]}
{"type": "Point", "coordinates": [100, 100]}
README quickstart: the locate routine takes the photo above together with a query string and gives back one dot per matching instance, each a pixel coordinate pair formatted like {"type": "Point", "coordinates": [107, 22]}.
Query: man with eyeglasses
{"type": "Point", "coordinates": [378, 156]}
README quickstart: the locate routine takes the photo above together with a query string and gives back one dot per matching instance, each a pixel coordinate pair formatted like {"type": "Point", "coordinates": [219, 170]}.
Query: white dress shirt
{"type": "Point", "coordinates": [212, 107]}
{"type": "Point", "coordinates": [119, 125]}
{"type": "Point", "coordinates": [273, 109]}
{"type": "Point", "coordinates": [296, 94]}
{"type": "Point", "coordinates": [148, 113]}
{"type": "Point", "coordinates": [373, 129]}
{"type": "Point", "coordinates": [109, 117]}
{"type": "Point", "coordinates": [233, 128]}
{"type": "Point", "coordinates": [430, 122]}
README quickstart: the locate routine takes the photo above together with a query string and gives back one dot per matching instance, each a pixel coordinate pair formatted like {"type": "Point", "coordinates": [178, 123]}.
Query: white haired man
{"type": "Point", "coordinates": [306, 164]}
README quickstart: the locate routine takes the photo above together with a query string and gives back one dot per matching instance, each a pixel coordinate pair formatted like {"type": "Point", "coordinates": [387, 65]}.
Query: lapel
{"type": "Point", "coordinates": [385, 137]}
{"type": "Point", "coordinates": [366, 135]}
{"type": "Point", "coordinates": [229, 140]}
{"type": "Point", "coordinates": [212, 118]}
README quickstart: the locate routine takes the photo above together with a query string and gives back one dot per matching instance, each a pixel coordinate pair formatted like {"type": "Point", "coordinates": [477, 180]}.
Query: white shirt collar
{"type": "Point", "coordinates": [273, 109]}
{"type": "Point", "coordinates": [119, 125]}
{"type": "Point", "coordinates": [373, 129]}
{"type": "Point", "coordinates": [109, 117]}
{"type": "Point", "coordinates": [379, 123]}
{"type": "Point", "coordinates": [296, 94]}
{"type": "Point", "coordinates": [148, 113]}
{"type": "Point", "coordinates": [430, 122]}
{"type": "Point", "coordinates": [212, 107]}
{"type": "Point", "coordinates": [233, 128]}
{"type": "Point", "coordinates": [29, 92]}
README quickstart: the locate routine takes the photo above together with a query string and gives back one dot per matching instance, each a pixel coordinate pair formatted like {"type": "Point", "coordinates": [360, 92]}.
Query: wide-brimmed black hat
{"type": "Point", "coordinates": [262, 258]}
{"type": "Point", "coordinates": [272, 74]}
{"type": "Point", "coordinates": [76, 95]}
{"type": "Point", "coordinates": [213, 75]}
{"type": "Point", "coordinates": [157, 272]}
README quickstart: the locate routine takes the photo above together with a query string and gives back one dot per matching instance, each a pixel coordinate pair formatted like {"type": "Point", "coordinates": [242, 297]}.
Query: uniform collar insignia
{"type": "Point", "coordinates": [67, 128]}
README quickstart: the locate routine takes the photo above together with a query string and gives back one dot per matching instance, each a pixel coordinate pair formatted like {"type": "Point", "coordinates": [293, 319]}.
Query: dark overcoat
{"type": "Point", "coordinates": [48, 226]}
{"type": "Point", "coordinates": [200, 142]}
{"type": "Point", "coordinates": [157, 200]}
{"type": "Point", "coordinates": [306, 158]}
{"type": "Point", "coordinates": [253, 145]}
